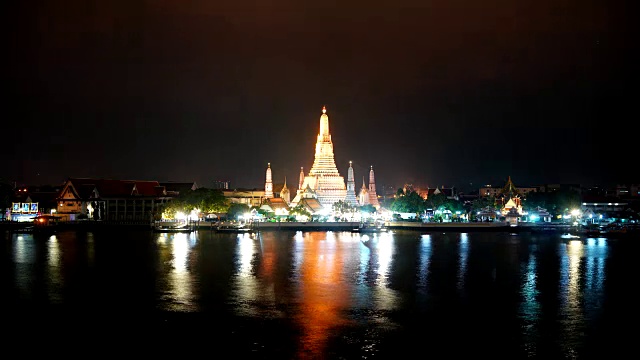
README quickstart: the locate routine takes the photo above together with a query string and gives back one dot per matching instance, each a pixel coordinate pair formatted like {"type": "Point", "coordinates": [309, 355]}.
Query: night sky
{"type": "Point", "coordinates": [453, 93]}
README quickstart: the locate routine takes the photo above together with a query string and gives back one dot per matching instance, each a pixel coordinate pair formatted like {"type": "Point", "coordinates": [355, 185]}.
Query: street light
{"type": "Point", "coordinates": [575, 213]}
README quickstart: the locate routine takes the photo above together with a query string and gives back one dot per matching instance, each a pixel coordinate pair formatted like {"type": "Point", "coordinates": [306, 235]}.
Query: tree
{"type": "Point", "coordinates": [207, 200]}
{"type": "Point", "coordinates": [436, 201]}
{"type": "Point", "coordinates": [341, 208]}
{"type": "Point", "coordinates": [535, 199]}
{"type": "Point", "coordinates": [483, 202]}
{"type": "Point", "coordinates": [368, 208]}
{"type": "Point", "coordinates": [566, 200]}
{"type": "Point", "coordinates": [300, 209]}
{"type": "Point", "coordinates": [557, 203]}
{"type": "Point", "coordinates": [203, 199]}
{"type": "Point", "coordinates": [237, 209]}
{"type": "Point", "coordinates": [267, 214]}
{"type": "Point", "coordinates": [409, 202]}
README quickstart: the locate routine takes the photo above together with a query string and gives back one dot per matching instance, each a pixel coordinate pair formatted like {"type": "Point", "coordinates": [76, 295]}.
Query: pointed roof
{"type": "Point", "coordinates": [510, 204]}
{"type": "Point", "coordinates": [540, 211]}
{"type": "Point", "coordinates": [311, 204]}
{"type": "Point", "coordinates": [177, 187]}
{"type": "Point", "coordinates": [510, 189]}
{"type": "Point", "coordinates": [277, 188]}
{"type": "Point", "coordinates": [309, 193]}
{"type": "Point", "coordinates": [86, 188]}
{"type": "Point", "coordinates": [274, 204]}
{"type": "Point", "coordinates": [281, 188]}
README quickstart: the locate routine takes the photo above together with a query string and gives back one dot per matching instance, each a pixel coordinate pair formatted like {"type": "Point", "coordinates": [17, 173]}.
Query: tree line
{"type": "Point", "coordinates": [557, 202]}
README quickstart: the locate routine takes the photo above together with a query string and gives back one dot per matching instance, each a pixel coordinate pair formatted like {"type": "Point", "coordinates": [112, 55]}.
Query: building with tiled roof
{"type": "Point", "coordinates": [249, 197]}
{"type": "Point", "coordinates": [312, 205]}
{"type": "Point", "coordinates": [449, 193]}
{"type": "Point", "coordinates": [540, 214]}
{"type": "Point", "coordinates": [175, 188]}
{"type": "Point", "coordinates": [276, 205]}
{"type": "Point", "coordinates": [109, 199]}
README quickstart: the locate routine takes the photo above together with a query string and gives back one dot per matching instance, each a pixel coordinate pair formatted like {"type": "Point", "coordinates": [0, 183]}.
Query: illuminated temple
{"type": "Point", "coordinates": [324, 178]}
{"type": "Point", "coordinates": [324, 185]}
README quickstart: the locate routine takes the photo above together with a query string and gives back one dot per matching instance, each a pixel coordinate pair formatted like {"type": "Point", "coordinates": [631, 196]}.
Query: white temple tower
{"type": "Point", "coordinates": [363, 197]}
{"type": "Point", "coordinates": [284, 193]}
{"type": "Point", "coordinates": [373, 197]}
{"type": "Point", "coordinates": [324, 177]}
{"type": "Point", "coordinates": [351, 187]}
{"type": "Point", "coordinates": [268, 185]}
{"type": "Point", "coordinates": [301, 180]}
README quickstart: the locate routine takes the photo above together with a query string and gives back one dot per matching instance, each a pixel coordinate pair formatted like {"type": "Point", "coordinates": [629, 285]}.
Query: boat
{"type": "Point", "coordinates": [370, 228]}
{"type": "Point", "coordinates": [569, 236]}
{"type": "Point", "coordinates": [234, 228]}
{"type": "Point", "coordinates": [167, 226]}
{"type": "Point", "coordinates": [45, 223]}
{"type": "Point", "coordinates": [607, 231]}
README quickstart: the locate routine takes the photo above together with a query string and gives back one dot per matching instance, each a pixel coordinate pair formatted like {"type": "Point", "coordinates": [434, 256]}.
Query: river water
{"type": "Point", "coordinates": [319, 295]}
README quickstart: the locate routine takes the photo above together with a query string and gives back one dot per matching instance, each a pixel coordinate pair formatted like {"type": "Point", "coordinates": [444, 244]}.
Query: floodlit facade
{"type": "Point", "coordinates": [351, 187]}
{"type": "Point", "coordinates": [324, 182]}
{"type": "Point", "coordinates": [324, 178]}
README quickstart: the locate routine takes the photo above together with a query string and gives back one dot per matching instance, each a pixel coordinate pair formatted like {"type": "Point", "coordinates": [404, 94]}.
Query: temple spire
{"type": "Point", "coordinates": [510, 189]}
{"type": "Point", "coordinates": [363, 197]}
{"type": "Point", "coordinates": [301, 181]}
{"type": "Point", "coordinates": [324, 177]}
{"type": "Point", "coordinates": [268, 185]}
{"type": "Point", "coordinates": [373, 196]}
{"type": "Point", "coordinates": [351, 187]}
{"type": "Point", "coordinates": [284, 193]}
{"type": "Point", "coordinates": [324, 125]}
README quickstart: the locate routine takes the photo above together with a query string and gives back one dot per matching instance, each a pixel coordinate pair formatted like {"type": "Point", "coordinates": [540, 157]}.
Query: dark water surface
{"type": "Point", "coordinates": [323, 295]}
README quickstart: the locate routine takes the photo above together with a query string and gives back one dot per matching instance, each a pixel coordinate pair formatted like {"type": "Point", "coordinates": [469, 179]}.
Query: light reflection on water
{"type": "Point", "coordinates": [381, 254]}
{"type": "Point", "coordinates": [425, 259]}
{"type": "Point", "coordinates": [251, 298]}
{"type": "Point", "coordinates": [325, 282]}
{"type": "Point", "coordinates": [24, 256]}
{"type": "Point", "coordinates": [320, 289]}
{"type": "Point", "coordinates": [54, 278]}
{"type": "Point", "coordinates": [463, 255]}
{"type": "Point", "coordinates": [176, 262]}
{"type": "Point", "coordinates": [530, 306]}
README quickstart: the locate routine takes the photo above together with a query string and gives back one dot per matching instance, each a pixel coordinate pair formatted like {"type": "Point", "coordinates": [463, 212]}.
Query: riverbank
{"type": "Point", "coordinates": [323, 226]}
